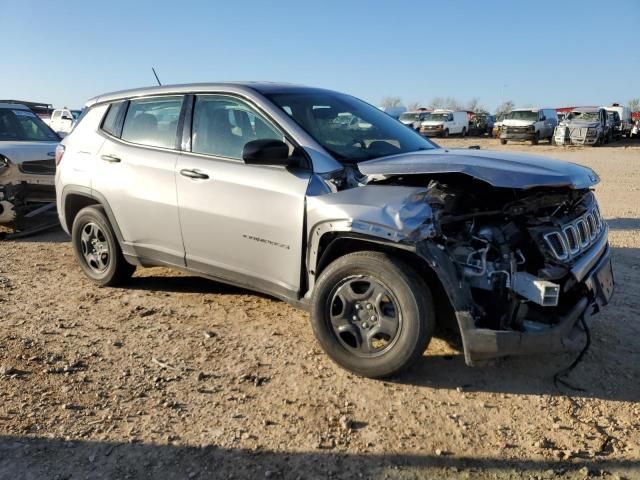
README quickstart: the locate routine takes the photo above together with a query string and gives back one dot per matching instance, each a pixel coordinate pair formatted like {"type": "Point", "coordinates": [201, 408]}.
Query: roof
{"type": "Point", "coordinates": [14, 106]}
{"type": "Point", "coordinates": [587, 109]}
{"type": "Point", "coordinates": [530, 109]}
{"type": "Point", "coordinates": [41, 105]}
{"type": "Point", "coordinates": [262, 87]}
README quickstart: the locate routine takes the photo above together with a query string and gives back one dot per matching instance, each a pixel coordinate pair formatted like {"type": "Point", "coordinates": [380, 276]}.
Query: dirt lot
{"type": "Point", "coordinates": [180, 377]}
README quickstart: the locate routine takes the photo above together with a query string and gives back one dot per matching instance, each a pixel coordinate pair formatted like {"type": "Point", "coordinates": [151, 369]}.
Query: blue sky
{"type": "Point", "coordinates": [535, 52]}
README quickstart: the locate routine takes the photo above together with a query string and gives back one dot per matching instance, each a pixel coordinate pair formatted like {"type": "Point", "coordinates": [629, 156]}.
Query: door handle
{"type": "Point", "coordinates": [110, 158]}
{"type": "Point", "coordinates": [195, 174]}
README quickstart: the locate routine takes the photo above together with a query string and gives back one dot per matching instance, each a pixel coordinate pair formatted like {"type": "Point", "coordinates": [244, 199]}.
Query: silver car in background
{"type": "Point", "coordinates": [27, 165]}
{"type": "Point", "coordinates": [324, 201]}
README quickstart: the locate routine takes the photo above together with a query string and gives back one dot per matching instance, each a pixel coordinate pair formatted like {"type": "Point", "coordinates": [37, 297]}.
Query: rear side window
{"type": "Point", "coordinates": [110, 122]}
{"type": "Point", "coordinates": [152, 121]}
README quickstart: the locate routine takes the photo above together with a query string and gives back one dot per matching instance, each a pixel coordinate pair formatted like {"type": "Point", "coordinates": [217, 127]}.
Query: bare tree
{"type": "Point", "coordinates": [413, 106]}
{"type": "Point", "coordinates": [634, 104]}
{"type": "Point", "coordinates": [473, 105]}
{"type": "Point", "coordinates": [391, 102]}
{"type": "Point", "coordinates": [437, 102]}
{"type": "Point", "coordinates": [505, 107]}
{"type": "Point", "coordinates": [452, 104]}
{"type": "Point", "coordinates": [449, 103]}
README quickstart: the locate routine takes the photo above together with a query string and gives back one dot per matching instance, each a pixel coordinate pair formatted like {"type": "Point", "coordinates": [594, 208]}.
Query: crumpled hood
{"type": "Point", "coordinates": [499, 169]}
{"type": "Point", "coordinates": [581, 123]}
{"type": "Point", "coordinates": [19, 152]}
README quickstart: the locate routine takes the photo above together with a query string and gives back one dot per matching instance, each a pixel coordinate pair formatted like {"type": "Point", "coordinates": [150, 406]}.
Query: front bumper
{"type": "Point", "coordinates": [526, 136]}
{"type": "Point", "coordinates": [428, 132]}
{"type": "Point", "coordinates": [576, 140]}
{"type": "Point", "coordinates": [564, 335]}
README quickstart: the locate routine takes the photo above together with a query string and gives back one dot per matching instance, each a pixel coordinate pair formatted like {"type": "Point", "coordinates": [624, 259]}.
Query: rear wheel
{"type": "Point", "coordinates": [464, 131]}
{"type": "Point", "coordinates": [96, 248]}
{"type": "Point", "coordinates": [372, 314]}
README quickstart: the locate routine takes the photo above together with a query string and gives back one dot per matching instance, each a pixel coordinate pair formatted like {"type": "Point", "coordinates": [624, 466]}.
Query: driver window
{"type": "Point", "coordinates": [222, 126]}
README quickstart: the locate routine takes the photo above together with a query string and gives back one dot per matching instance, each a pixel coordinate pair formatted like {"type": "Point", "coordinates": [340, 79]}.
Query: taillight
{"type": "Point", "coordinates": [59, 153]}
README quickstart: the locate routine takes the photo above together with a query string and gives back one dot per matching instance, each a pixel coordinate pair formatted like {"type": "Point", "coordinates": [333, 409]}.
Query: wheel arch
{"type": "Point", "coordinates": [76, 197]}
{"type": "Point", "coordinates": [333, 245]}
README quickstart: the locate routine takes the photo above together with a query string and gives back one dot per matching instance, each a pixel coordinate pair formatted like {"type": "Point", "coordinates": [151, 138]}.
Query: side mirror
{"type": "Point", "coordinates": [66, 117]}
{"type": "Point", "coordinates": [266, 152]}
{"type": "Point", "coordinates": [543, 118]}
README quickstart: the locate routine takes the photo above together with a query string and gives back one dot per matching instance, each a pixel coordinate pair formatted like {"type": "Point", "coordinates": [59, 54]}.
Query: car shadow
{"type": "Point", "coordinates": [54, 234]}
{"type": "Point", "coordinates": [179, 283]}
{"type": "Point", "coordinates": [38, 457]}
{"type": "Point", "coordinates": [621, 223]}
{"type": "Point", "coordinates": [609, 369]}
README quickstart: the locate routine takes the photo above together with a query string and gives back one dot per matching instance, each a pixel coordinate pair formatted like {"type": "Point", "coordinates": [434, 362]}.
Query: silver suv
{"type": "Point", "coordinates": [376, 230]}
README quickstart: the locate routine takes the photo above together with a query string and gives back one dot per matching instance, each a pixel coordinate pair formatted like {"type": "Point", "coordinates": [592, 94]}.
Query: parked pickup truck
{"type": "Point", "coordinates": [583, 126]}
{"type": "Point", "coordinates": [376, 230]}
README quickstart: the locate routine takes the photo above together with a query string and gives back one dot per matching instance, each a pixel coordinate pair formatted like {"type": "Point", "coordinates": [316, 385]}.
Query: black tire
{"type": "Point", "coordinates": [340, 325]}
{"type": "Point", "coordinates": [97, 250]}
{"type": "Point", "coordinates": [535, 139]}
{"type": "Point", "coordinates": [599, 141]}
{"type": "Point", "coordinates": [464, 132]}
{"type": "Point", "coordinates": [503, 141]}
{"type": "Point", "coordinates": [445, 134]}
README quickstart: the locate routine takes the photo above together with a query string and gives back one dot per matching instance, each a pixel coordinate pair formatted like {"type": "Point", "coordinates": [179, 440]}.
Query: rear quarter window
{"type": "Point", "coordinates": [110, 122]}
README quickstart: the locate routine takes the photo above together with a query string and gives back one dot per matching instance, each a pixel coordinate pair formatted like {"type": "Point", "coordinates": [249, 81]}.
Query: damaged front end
{"type": "Point", "coordinates": [520, 266]}
{"type": "Point", "coordinates": [523, 266]}
{"type": "Point", "coordinates": [24, 188]}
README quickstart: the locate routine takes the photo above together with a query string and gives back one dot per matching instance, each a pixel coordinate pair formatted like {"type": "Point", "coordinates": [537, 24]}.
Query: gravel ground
{"type": "Point", "coordinates": [180, 377]}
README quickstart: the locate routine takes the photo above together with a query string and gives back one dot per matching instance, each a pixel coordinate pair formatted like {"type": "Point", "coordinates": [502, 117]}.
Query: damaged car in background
{"type": "Point", "coordinates": [583, 126]}
{"type": "Point", "coordinates": [377, 231]}
{"type": "Point", "coordinates": [27, 164]}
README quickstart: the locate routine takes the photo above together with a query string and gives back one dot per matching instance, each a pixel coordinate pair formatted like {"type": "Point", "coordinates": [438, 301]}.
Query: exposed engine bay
{"type": "Point", "coordinates": [513, 248]}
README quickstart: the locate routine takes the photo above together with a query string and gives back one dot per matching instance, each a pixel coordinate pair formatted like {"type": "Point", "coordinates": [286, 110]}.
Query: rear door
{"type": "Point", "coordinates": [243, 223]}
{"type": "Point", "coordinates": [135, 172]}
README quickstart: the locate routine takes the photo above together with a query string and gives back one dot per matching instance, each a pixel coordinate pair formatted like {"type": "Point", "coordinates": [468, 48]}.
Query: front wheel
{"type": "Point", "coordinates": [535, 139]}
{"type": "Point", "coordinates": [96, 248]}
{"type": "Point", "coordinates": [372, 314]}
{"type": "Point", "coordinates": [503, 141]}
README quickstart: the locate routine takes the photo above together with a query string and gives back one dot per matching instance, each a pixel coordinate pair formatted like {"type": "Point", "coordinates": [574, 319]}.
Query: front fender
{"type": "Point", "coordinates": [397, 215]}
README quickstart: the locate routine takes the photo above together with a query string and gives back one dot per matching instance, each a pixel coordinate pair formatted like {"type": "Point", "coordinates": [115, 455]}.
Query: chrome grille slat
{"type": "Point", "coordinates": [575, 237]}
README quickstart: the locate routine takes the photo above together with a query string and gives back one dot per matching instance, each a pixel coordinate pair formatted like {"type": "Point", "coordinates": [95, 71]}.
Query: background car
{"type": "Point", "coordinates": [27, 165]}
{"type": "Point", "coordinates": [413, 119]}
{"type": "Point", "coordinates": [529, 124]}
{"type": "Point", "coordinates": [63, 119]}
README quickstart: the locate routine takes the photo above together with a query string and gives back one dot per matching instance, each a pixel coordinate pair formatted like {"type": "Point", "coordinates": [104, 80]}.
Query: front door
{"type": "Point", "coordinates": [242, 223]}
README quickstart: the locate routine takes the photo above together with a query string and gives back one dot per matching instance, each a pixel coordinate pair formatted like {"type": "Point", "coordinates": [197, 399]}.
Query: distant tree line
{"type": "Point", "coordinates": [473, 105]}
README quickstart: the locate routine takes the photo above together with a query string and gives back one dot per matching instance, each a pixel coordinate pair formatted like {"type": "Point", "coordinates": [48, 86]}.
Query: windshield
{"type": "Point", "coordinates": [368, 133]}
{"type": "Point", "coordinates": [587, 116]}
{"type": "Point", "coordinates": [24, 125]}
{"type": "Point", "coordinates": [440, 117]}
{"type": "Point", "coordinates": [409, 117]}
{"type": "Point", "coordinates": [528, 115]}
